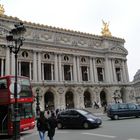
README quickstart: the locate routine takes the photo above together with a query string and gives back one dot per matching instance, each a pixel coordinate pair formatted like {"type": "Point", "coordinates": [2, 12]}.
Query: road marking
{"type": "Point", "coordinates": [133, 139]}
{"type": "Point", "coordinates": [62, 132]}
{"type": "Point", "coordinates": [100, 135]}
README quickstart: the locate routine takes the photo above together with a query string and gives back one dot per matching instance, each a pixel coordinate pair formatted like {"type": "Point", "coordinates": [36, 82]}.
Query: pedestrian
{"type": "Point", "coordinates": [52, 124]}
{"type": "Point", "coordinates": [42, 125]}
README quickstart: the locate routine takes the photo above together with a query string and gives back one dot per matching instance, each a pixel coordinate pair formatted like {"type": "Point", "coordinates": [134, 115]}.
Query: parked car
{"type": "Point", "coordinates": [77, 118]}
{"type": "Point", "coordinates": [117, 110]}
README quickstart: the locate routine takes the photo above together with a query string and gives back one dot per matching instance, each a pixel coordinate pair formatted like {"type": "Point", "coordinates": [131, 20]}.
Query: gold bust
{"type": "Point", "coordinates": [1, 10]}
{"type": "Point", "coordinates": [105, 30]}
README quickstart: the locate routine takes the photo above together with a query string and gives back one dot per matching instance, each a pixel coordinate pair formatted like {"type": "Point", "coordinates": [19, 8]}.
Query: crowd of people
{"type": "Point", "coordinates": [47, 122]}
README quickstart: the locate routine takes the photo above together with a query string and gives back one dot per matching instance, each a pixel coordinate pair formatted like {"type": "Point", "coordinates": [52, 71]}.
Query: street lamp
{"type": "Point", "coordinates": [37, 102]}
{"type": "Point", "coordinates": [16, 39]}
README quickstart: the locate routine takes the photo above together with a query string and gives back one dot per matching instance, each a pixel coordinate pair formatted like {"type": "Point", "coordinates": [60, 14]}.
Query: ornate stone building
{"type": "Point", "coordinates": [72, 69]}
{"type": "Point", "coordinates": [136, 86]}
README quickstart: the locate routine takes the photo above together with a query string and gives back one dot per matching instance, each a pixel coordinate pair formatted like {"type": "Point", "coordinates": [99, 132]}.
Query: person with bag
{"type": "Point", "coordinates": [42, 125]}
{"type": "Point", "coordinates": [52, 124]}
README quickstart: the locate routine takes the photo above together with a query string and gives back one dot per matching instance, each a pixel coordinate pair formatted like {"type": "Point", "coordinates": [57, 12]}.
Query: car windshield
{"type": "Point", "coordinates": [83, 112]}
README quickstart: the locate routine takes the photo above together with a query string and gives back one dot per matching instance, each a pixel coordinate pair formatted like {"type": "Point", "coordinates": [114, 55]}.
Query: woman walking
{"type": "Point", "coordinates": [42, 125]}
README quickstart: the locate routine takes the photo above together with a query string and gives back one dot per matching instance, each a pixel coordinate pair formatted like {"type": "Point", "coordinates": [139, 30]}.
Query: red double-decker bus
{"type": "Point", "coordinates": [25, 104]}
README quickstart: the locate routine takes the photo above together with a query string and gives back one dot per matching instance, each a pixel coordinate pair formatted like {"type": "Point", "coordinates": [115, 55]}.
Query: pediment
{"type": "Point", "coordinates": [119, 49]}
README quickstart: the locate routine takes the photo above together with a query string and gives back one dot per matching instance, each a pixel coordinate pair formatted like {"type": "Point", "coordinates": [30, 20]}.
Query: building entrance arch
{"type": "Point", "coordinates": [69, 99]}
{"type": "Point", "coordinates": [87, 99]}
{"type": "Point", "coordinates": [49, 100]}
{"type": "Point", "coordinates": [103, 98]}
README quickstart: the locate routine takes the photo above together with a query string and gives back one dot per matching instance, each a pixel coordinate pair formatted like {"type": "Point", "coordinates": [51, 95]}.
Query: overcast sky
{"type": "Point", "coordinates": [86, 16]}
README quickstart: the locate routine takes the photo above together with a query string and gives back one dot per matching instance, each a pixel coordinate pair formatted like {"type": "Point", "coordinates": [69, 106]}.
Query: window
{"type": "Point", "coordinates": [67, 72]}
{"type": "Point", "coordinates": [123, 106]}
{"type": "Point", "coordinates": [47, 72]}
{"type": "Point", "coordinates": [3, 84]}
{"type": "Point", "coordinates": [132, 106]}
{"type": "Point", "coordinates": [25, 66]}
{"type": "Point", "coordinates": [84, 71]}
{"type": "Point", "coordinates": [100, 74]}
{"type": "Point", "coordinates": [118, 74]}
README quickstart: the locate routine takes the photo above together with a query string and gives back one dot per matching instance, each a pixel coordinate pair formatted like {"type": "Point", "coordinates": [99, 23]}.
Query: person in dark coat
{"type": "Point", "coordinates": [42, 125]}
{"type": "Point", "coordinates": [52, 124]}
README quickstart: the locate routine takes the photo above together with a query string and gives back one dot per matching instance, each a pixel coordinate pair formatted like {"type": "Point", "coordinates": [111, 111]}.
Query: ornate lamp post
{"type": "Point", "coordinates": [37, 102]}
{"type": "Point", "coordinates": [15, 38]}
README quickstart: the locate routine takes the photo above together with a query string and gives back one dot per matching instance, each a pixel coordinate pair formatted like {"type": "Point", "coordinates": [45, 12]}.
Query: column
{"type": "Point", "coordinates": [52, 76]}
{"type": "Point", "coordinates": [114, 72]}
{"type": "Point", "coordinates": [60, 68]}
{"type": "Point", "coordinates": [39, 66]}
{"type": "Point", "coordinates": [126, 69]}
{"type": "Point", "coordinates": [78, 70]}
{"type": "Point", "coordinates": [74, 69]}
{"type": "Point", "coordinates": [34, 66]}
{"type": "Point", "coordinates": [71, 74]}
{"type": "Point", "coordinates": [12, 63]}
{"type": "Point", "coordinates": [56, 68]}
{"type": "Point", "coordinates": [95, 71]}
{"type": "Point", "coordinates": [19, 66]}
{"type": "Point", "coordinates": [7, 62]}
{"type": "Point", "coordinates": [91, 70]}
{"type": "Point", "coordinates": [42, 70]}
{"type": "Point", "coordinates": [110, 70]}
{"type": "Point", "coordinates": [107, 70]}
{"type": "Point", "coordinates": [2, 66]}
{"type": "Point", "coordinates": [30, 70]}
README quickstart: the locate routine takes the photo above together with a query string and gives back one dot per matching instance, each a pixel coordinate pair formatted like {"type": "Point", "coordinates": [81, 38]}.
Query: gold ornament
{"type": "Point", "coordinates": [1, 10]}
{"type": "Point", "coordinates": [105, 29]}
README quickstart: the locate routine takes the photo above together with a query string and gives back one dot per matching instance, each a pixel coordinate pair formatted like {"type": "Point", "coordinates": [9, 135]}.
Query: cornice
{"type": "Point", "coordinates": [60, 30]}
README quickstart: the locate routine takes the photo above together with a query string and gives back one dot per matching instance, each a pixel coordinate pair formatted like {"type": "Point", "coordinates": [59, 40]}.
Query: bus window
{"type": "Point", "coordinates": [25, 110]}
{"type": "Point", "coordinates": [3, 84]}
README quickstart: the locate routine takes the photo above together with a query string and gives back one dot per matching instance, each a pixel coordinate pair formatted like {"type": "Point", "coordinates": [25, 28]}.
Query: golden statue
{"type": "Point", "coordinates": [105, 29]}
{"type": "Point", "coordinates": [1, 10]}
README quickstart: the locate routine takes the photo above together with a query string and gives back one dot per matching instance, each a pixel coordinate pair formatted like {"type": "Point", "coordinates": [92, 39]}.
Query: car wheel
{"type": "Point", "coordinates": [59, 125]}
{"type": "Point", "coordinates": [116, 117]}
{"type": "Point", "coordinates": [86, 125]}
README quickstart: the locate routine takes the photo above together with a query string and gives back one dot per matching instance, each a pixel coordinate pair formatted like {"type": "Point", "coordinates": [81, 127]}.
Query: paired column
{"type": "Point", "coordinates": [95, 71]}
{"type": "Point", "coordinates": [60, 68]}
{"type": "Point", "coordinates": [126, 70]}
{"type": "Point", "coordinates": [74, 69]}
{"type": "Point", "coordinates": [34, 66]}
{"type": "Point", "coordinates": [39, 66]}
{"type": "Point", "coordinates": [56, 67]}
{"type": "Point", "coordinates": [7, 68]}
{"type": "Point", "coordinates": [78, 70]}
{"type": "Point", "coordinates": [91, 70]}
{"type": "Point", "coordinates": [114, 72]}
{"type": "Point", "coordinates": [12, 63]}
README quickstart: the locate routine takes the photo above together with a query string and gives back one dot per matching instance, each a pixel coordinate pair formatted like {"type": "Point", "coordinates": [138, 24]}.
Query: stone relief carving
{"type": "Point", "coordinates": [2, 51]}
{"type": "Point", "coordinates": [79, 90]}
{"type": "Point", "coordinates": [60, 90]}
{"type": "Point", "coordinates": [118, 50]}
{"type": "Point", "coordinates": [131, 95]}
{"type": "Point", "coordinates": [46, 37]}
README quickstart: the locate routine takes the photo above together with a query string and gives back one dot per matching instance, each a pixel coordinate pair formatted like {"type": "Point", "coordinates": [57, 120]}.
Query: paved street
{"type": "Point", "coordinates": [124, 129]}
